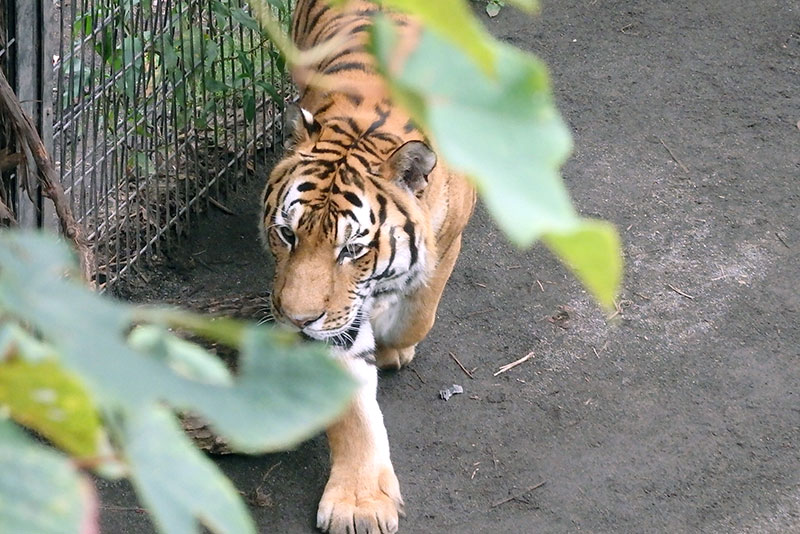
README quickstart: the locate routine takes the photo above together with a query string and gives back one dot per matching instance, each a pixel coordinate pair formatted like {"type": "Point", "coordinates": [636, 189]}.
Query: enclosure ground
{"type": "Point", "coordinates": [682, 413]}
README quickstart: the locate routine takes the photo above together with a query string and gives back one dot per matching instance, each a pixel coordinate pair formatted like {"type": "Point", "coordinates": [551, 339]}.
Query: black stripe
{"type": "Point", "coordinates": [393, 248]}
{"type": "Point", "coordinates": [348, 213]}
{"type": "Point", "coordinates": [300, 17]}
{"type": "Point", "coordinates": [381, 209]}
{"type": "Point", "coordinates": [379, 185]}
{"type": "Point", "coordinates": [338, 129]}
{"type": "Point", "coordinates": [353, 198]}
{"type": "Point", "coordinates": [356, 100]}
{"type": "Point", "coordinates": [318, 150]}
{"type": "Point", "coordinates": [412, 242]}
{"type": "Point", "coordinates": [382, 116]}
{"type": "Point", "coordinates": [306, 186]}
{"type": "Point", "coordinates": [347, 67]}
{"type": "Point", "coordinates": [324, 108]}
{"type": "Point", "coordinates": [312, 21]}
{"type": "Point", "coordinates": [352, 124]}
{"type": "Point", "coordinates": [361, 159]}
{"type": "Point", "coordinates": [361, 28]}
{"type": "Point", "coordinates": [340, 54]}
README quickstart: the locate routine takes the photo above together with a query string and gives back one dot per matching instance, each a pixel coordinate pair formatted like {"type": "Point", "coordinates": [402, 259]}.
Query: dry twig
{"type": "Point", "coordinates": [416, 373]}
{"type": "Point", "coordinates": [679, 292]}
{"type": "Point", "coordinates": [220, 206]}
{"type": "Point", "coordinates": [674, 157]}
{"type": "Point", "coordinates": [468, 373]}
{"type": "Point", "coordinates": [513, 364]}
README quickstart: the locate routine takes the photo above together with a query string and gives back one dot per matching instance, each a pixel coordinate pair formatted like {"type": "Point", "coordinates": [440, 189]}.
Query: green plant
{"type": "Point", "coordinates": [99, 379]}
{"type": "Point", "coordinates": [206, 61]}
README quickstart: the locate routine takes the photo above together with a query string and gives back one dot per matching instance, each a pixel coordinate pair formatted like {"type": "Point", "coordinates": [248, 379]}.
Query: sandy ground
{"type": "Point", "coordinates": [683, 413]}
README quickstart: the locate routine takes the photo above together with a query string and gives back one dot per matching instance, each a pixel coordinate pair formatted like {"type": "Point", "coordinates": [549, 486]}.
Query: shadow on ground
{"type": "Point", "coordinates": [680, 415]}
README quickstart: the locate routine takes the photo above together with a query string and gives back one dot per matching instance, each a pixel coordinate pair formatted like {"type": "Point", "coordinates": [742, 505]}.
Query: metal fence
{"type": "Point", "coordinates": [159, 107]}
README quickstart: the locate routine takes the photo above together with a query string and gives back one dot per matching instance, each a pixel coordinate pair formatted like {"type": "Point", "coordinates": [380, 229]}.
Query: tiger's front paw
{"type": "Point", "coordinates": [390, 359]}
{"type": "Point", "coordinates": [366, 503]}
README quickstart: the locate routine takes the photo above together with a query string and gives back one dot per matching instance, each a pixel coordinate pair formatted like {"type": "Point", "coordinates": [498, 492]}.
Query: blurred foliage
{"type": "Point", "coordinates": [498, 124]}
{"type": "Point", "coordinates": [99, 379]}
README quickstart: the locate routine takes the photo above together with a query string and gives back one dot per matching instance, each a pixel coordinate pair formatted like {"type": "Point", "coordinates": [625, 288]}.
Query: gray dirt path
{"type": "Point", "coordinates": [683, 413]}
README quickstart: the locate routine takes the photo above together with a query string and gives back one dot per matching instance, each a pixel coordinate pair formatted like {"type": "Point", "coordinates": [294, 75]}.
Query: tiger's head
{"type": "Point", "coordinates": [343, 218]}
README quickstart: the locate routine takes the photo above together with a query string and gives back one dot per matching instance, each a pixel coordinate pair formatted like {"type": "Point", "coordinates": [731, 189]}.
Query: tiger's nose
{"type": "Point", "coordinates": [301, 321]}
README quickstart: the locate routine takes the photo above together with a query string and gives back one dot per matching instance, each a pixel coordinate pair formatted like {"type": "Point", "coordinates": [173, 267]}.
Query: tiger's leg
{"type": "Point", "coordinates": [401, 326]}
{"type": "Point", "coordinates": [362, 494]}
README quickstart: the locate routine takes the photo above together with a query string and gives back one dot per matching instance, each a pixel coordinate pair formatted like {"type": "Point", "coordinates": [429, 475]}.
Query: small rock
{"type": "Point", "coordinates": [455, 389]}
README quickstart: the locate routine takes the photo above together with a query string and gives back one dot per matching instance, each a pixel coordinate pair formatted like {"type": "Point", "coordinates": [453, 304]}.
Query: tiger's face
{"type": "Point", "coordinates": [345, 226]}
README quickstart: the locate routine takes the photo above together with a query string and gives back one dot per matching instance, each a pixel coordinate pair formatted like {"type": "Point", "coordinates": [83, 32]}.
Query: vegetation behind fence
{"type": "Point", "coordinates": [159, 106]}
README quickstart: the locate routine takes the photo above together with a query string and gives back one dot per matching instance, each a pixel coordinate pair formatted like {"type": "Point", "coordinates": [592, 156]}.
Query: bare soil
{"type": "Point", "coordinates": [682, 413]}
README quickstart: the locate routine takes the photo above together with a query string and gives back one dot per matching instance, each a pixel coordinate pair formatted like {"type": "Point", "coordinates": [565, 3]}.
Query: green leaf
{"type": "Point", "coordinates": [40, 490]}
{"type": "Point", "coordinates": [452, 20]}
{"type": "Point", "coordinates": [169, 56]}
{"type": "Point", "coordinates": [297, 386]}
{"type": "Point", "coordinates": [186, 359]}
{"type": "Point", "coordinates": [245, 19]}
{"type": "Point", "coordinates": [42, 396]}
{"type": "Point", "coordinates": [276, 380]}
{"type": "Point", "coordinates": [249, 105]}
{"type": "Point", "coordinates": [15, 341]}
{"type": "Point", "coordinates": [141, 164]}
{"type": "Point", "coordinates": [211, 52]}
{"type": "Point", "coordinates": [270, 89]}
{"type": "Point", "coordinates": [592, 251]}
{"type": "Point", "coordinates": [220, 9]}
{"type": "Point", "coordinates": [178, 484]}
{"type": "Point", "coordinates": [505, 133]}
{"type": "Point", "coordinates": [246, 63]}
{"type": "Point", "coordinates": [215, 86]}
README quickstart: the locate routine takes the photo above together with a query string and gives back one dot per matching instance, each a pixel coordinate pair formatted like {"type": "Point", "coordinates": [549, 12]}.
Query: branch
{"type": "Point", "coordinates": [46, 172]}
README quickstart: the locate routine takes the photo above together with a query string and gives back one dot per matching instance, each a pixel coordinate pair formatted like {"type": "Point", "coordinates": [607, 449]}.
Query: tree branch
{"type": "Point", "coordinates": [46, 173]}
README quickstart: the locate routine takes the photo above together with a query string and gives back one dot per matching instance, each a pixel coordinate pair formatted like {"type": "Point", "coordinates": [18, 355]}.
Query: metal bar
{"type": "Point", "coordinates": [28, 82]}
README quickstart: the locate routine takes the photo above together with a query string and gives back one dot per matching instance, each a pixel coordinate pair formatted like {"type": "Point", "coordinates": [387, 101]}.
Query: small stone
{"type": "Point", "coordinates": [455, 389]}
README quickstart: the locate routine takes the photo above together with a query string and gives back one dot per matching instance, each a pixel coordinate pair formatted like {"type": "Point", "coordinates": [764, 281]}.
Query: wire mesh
{"type": "Point", "coordinates": [160, 107]}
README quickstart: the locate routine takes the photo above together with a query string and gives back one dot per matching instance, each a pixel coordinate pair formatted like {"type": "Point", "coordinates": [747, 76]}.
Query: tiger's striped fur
{"type": "Point", "coordinates": [365, 226]}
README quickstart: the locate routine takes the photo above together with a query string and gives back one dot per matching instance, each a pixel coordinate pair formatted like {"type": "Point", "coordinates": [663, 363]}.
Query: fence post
{"type": "Point", "coordinates": [35, 95]}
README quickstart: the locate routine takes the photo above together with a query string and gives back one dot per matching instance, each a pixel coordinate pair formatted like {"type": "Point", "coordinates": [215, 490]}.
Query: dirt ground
{"type": "Point", "coordinates": [683, 413]}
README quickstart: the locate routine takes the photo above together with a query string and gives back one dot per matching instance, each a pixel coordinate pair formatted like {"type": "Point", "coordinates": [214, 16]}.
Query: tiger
{"type": "Point", "coordinates": [364, 223]}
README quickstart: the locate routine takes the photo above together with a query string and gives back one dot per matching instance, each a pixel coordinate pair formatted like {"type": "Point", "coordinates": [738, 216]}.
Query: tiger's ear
{"type": "Point", "coordinates": [301, 125]}
{"type": "Point", "coordinates": [410, 166]}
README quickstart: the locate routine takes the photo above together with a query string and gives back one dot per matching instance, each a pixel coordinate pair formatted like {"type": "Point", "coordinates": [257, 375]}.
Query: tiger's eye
{"type": "Point", "coordinates": [287, 235]}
